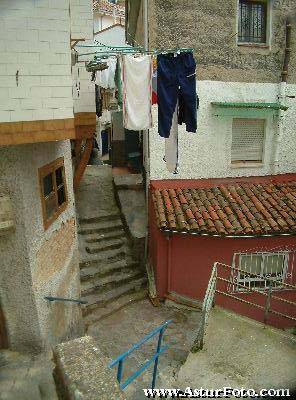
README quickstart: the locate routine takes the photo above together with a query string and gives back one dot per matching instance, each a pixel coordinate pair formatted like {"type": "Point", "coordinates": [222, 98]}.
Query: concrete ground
{"type": "Point", "coordinates": [25, 377]}
{"type": "Point", "coordinates": [120, 331]}
{"type": "Point", "coordinates": [240, 352]}
{"type": "Point", "coordinates": [96, 187]}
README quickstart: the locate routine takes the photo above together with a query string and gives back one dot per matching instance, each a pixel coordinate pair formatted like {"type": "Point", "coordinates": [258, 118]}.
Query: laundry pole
{"type": "Point", "coordinates": [146, 155]}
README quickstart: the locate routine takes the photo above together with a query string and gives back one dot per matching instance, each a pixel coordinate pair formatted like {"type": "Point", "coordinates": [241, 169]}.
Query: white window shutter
{"type": "Point", "coordinates": [247, 139]}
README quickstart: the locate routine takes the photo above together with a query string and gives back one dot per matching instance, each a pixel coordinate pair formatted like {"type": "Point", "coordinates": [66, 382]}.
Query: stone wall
{"type": "Point", "coordinates": [36, 262]}
{"type": "Point", "coordinates": [210, 27]}
{"type": "Point", "coordinates": [35, 62]}
{"type": "Point", "coordinates": [82, 27]}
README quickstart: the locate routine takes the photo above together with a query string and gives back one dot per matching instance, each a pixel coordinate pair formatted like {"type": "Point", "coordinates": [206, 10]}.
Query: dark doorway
{"type": "Point", "coordinates": [3, 334]}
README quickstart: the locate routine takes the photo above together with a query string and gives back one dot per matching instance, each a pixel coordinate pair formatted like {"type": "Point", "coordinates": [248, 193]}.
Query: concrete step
{"type": "Point", "coordinates": [103, 269]}
{"type": "Point", "coordinates": [128, 182]}
{"type": "Point", "coordinates": [99, 299]}
{"type": "Point", "coordinates": [100, 227]}
{"type": "Point", "coordinates": [113, 244]}
{"type": "Point", "coordinates": [100, 218]}
{"type": "Point", "coordinates": [111, 308]}
{"type": "Point", "coordinates": [105, 257]}
{"type": "Point", "coordinates": [100, 237]}
{"type": "Point", "coordinates": [110, 281]}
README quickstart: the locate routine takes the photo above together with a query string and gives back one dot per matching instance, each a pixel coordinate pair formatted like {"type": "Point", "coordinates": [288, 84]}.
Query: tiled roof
{"type": "Point", "coordinates": [234, 209]}
{"type": "Point", "coordinates": [107, 8]}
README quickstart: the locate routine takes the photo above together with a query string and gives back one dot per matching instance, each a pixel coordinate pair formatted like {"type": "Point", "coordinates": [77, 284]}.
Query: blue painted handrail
{"type": "Point", "coordinates": [119, 360]}
{"type": "Point", "coordinates": [78, 301]}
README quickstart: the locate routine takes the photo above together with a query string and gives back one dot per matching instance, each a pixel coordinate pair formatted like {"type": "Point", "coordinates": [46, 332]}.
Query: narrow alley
{"type": "Point", "coordinates": [147, 199]}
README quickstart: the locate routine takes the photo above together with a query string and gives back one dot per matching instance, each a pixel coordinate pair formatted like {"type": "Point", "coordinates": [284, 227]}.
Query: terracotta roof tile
{"type": "Point", "coordinates": [234, 209]}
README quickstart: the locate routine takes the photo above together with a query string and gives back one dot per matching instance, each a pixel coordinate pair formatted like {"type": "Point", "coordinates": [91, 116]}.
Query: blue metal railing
{"type": "Point", "coordinates": [159, 350]}
{"type": "Point", "coordinates": [78, 301]}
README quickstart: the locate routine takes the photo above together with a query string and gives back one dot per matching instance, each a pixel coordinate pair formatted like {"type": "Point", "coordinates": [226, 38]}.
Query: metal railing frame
{"type": "Point", "coordinates": [77, 301]}
{"type": "Point", "coordinates": [209, 301]}
{"type": "Point", "coordinates": [159, 350]}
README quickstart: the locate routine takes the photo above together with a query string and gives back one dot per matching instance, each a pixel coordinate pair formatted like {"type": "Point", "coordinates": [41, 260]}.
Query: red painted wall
{"type": "Point", "coordinates": [183, 264]}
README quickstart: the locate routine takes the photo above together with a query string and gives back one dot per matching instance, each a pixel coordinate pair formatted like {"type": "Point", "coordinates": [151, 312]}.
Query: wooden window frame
{"type": "Point", "coordinates": [44, 171]}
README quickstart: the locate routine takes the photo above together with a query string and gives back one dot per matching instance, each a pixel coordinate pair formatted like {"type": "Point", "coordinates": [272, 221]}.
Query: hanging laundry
{"type": "Point", "coordinates": [137, 91]}
{"type": "Point", "coordinates": [118, 82]}
{"type": "Point", "coordinates": [176, 79]}
{"type": "Point", "coordinates": [154, 81]}
{"type": "Point", "coordinates": [106, 78]}
{"type": "Point", "coordinates": [171, 145]}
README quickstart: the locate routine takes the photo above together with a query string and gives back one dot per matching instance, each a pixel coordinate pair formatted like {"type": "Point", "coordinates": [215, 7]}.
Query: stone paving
{"type": "Point", "coordinates": [25, 377]}
{"type": "Point", "coordinates": [120, 331]}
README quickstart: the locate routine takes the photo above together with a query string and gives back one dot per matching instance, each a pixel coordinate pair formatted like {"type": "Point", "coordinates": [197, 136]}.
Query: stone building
{"type": "Point", "coordinates": [245, 146]}
{"type": "Point", "coordinates": [38, 117]}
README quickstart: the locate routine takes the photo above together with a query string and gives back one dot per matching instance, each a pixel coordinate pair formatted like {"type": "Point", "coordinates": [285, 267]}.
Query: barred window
{"type": "Point", "coordinates": [252, 21]}
{"type": "Point", "coordinates": [261, 270]}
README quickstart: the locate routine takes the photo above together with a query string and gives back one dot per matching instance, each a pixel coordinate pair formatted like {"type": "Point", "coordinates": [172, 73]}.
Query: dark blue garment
{"type": "Point", "coordinates": [176, 80]}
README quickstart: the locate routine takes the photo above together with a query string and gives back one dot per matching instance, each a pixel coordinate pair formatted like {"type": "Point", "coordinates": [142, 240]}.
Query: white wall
{"type": "Point", "coordinates": [114, 36]}
{"type": "Point", "coordinates": [82, 28]}
{"type": "Point", "coordinates": [207, 153]}
{"type": "Point", "coordinates": [35, 40]}
{"type": "Point", "coordinates": [104, 21]}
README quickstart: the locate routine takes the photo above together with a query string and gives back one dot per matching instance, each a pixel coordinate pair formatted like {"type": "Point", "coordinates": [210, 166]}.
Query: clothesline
{"type": "Point", "coordinates": [107, 51]}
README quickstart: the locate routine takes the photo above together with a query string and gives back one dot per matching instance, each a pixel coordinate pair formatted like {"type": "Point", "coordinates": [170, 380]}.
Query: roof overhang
{"type": "Point", "coordinates": [247, 110]}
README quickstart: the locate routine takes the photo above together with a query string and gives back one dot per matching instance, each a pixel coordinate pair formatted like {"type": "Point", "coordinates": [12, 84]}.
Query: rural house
{"type": "Point", "coordinates": [39, 115]}
{"type": "Point", "coordinates": [233, 198]}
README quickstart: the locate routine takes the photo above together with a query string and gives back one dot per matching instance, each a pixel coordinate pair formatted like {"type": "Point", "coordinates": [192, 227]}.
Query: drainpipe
{"type": "Point", "coordinates": [146, 135]}
{"type": "Point", "coordinates": [282, 97]}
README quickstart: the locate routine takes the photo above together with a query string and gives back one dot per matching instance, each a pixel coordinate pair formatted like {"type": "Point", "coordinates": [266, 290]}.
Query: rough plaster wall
{"type": "Point", "coordinates": [207, 154]}
{"type": "Point", "coordinates": [57, 275]}
{"type": "Point", "coordinates": [210, 27]}
{"type": "Point", "coordinates": [34, 40]}
{"type": "Point", "coordinates": [82, 28]}
{"type": "Point", "coordinates": [17, 299]}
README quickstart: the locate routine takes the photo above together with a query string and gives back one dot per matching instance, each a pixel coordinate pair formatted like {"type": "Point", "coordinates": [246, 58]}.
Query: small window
{"type": "Point", "coordinates": [247, 140]}
{"type": "Point", "coordinates": [53, 191]}
{"type": "Point", "coordinates": [262, 270]}
{"type": "Point", "coordinates": [252, 21]}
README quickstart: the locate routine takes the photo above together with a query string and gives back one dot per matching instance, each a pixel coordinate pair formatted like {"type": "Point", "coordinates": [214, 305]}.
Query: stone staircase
{"type": "Point", "coordinates": [110, 277]}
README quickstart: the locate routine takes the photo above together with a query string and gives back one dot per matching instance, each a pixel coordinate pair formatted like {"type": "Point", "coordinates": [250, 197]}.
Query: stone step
{"type": "Point", "coordinates": [100, 218]}
{"type": "Point", "coordinates": [104, 257]}
{"type": "Point", "coordinates": [99, 237]}
{"type": "Point", "coordinates": [124, 301]}
{"type": "Point", "coordinates": [110, 281]}
{"type": "Point", "coordinates": [99, 299]}
{"type": "Point", "coordinates": [100, 270]}
{"type": "Point", "coordinates": [114, 244]}
{"type": "Point", "coordinates": [82, 371]}
{"type": "Point", "coordinates": [100, 227]}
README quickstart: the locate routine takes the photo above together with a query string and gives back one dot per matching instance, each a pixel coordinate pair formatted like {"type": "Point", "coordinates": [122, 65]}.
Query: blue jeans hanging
{"type": "Point", "coordinates": [176, 80]}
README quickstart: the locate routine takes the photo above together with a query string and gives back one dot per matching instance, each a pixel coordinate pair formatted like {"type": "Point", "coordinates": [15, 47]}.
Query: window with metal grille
{"type": "Point", "coordinates": [247, 140]}
{"type": "Point", "coordinates": [262, 270]}
{"type": "Point", "coordinates": [252, 21]}
{"type": "Point", "coordinates": [53, 190]}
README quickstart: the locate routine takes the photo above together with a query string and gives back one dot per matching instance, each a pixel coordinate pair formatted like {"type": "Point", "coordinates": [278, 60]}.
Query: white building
{"type": "Point", "coordinates": [38, 116]}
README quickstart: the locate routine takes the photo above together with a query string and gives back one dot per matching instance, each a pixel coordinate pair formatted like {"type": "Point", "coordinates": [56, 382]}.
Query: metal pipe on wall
{"type": "Point", "coordinates": [146, 157]}
{"type": "Point", "coordinates": [282, 97]}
